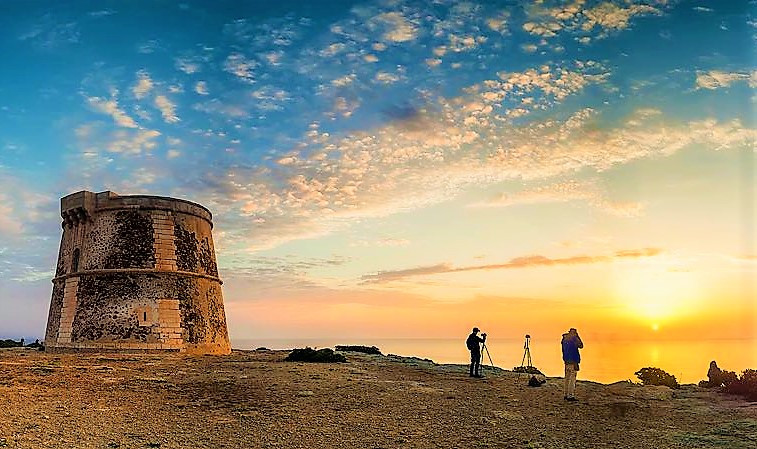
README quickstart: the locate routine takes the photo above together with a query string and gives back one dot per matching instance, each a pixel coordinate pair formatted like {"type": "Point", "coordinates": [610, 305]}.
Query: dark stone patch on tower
{"type": "Point", "coordinates": [186, 248]}
{"type": "Point", "coordinates": [207, 260]}
{"type": "Point", "coordinates": [192, 318]}
{"type": "Point", "coordinates": [132, 242]}
{"type": "Point", "coordinates": [102, 312]}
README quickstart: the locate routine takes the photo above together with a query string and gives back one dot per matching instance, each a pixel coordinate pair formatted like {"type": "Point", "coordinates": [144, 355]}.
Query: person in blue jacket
{"type": "Point", "coordinates": [571, 343]}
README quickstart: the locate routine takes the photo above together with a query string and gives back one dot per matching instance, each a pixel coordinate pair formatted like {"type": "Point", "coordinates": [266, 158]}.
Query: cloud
{"type": "Point", "coordinates": [586, 191]}
{"type": "Point", "coordinates": [612, 17]}
{"type": "Point", "coordinates": [241, 67]}
{"type": "Point", "coordinates": [574, 17]}
{"type": "Point", "coordinates": [201, 87]}
{"type": "Point", "coordinates": [386, 77]}
{"type": "Point", "coordinates": [27, 218]}
{"type": "Point", "coordinates": [400, 29]}
{"type": "Point", "coordinates": [498, 23]}
{"type": "Point", "coordinates": [132, 142]}
{"type": "Point", "coordinates": [516, 263]}
{"type": "Point", "coordinates": [344, 80]}
{"type": "Point", "coordinates": [166, 108]}
{"type": "Point", "coordinates": [383, 242]}
{"type": "Point", "coordinates": [110, 107]}
{"type": "Point", "coordinates": [50, 33]}
{"type": "Point", "coordinates": [144, 85]}
{"type": "Point", "coordinates": [716, 79]}
{"type": "Point", "coordinates": [187, 65]}
{"type": "Point", "coordinates": [426, 159]}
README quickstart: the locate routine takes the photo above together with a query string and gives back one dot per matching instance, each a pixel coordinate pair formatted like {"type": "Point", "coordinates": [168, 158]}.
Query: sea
{"type": "Point", "coordinates": [601, 361]}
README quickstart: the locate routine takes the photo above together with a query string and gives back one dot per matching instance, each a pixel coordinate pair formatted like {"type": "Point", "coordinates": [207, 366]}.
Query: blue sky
{"type": "Point", "coordinates": [339, 142]}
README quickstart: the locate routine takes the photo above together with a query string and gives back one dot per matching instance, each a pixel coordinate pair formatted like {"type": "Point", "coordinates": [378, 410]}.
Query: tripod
{"type": "Point", "coordinates": [526, 356]}
{"type": "Point", "coordinates": [484, 349]}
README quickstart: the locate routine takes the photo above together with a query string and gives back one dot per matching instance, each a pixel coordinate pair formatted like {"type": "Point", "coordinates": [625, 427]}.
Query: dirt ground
{"type": "Point", "coordinates": [256, 400]}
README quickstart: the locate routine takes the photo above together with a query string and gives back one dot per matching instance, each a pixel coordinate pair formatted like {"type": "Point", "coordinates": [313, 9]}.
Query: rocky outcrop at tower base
{"type": "Point", "coordinates": [136, 273]}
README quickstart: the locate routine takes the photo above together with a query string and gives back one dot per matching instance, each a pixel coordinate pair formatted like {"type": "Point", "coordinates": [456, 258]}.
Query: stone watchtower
{"type": "Point", "coordinates": [136, 273]}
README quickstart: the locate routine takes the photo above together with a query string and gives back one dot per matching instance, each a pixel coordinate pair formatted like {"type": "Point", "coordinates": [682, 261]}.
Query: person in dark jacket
{"type": "Point", "coordinates": [571, 343]}
{"type": "Point", "coordinates": [473, 343]}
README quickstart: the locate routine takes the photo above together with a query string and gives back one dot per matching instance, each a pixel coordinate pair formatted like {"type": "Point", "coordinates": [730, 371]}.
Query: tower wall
{"type": "Point", "coordinates": [136, 273]}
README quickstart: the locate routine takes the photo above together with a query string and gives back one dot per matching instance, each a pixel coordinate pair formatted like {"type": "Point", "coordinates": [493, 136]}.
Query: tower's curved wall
{"type": "Point", "coordinates": [136, 273]}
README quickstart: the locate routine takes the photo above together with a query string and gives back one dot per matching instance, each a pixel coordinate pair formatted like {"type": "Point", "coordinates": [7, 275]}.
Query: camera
{"type": "Point", "coordinates": [483, 334]}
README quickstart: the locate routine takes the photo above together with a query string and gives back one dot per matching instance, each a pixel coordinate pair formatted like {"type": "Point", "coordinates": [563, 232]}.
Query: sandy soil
{"type": "Point", "coordinates": [256, 400]}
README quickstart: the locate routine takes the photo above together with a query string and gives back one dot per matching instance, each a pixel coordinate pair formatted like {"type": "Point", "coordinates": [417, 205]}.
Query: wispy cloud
{"type": "Point", "coordinates": [187, 65]}
{"type": "Point", "coordinates": [110, 107]}
{"type": "Point", "coordinates": [51, 33]}
{"type": "Point", "coordinates": [516, 263]}
{"type": "Point", "coordinates": [716, 79]}
{"type": "Point", "coordinates": [241, 67]}
{"type": "Point", "coordinates": [201, 87]}
{"type": "Point", "coordinates": [167, 109]}
{"type": "Point", "coordinates": [144, 85]}
{"type": "Point", "coordinates": [586, 191]}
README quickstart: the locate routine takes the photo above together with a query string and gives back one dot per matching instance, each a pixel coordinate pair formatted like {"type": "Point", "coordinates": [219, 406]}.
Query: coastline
{"type": "Point", "coordinates": [254, 399]}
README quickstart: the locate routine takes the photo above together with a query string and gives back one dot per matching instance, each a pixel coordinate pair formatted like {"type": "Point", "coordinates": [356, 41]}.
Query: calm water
{"type": "Point", "coordinates": [601, 361]}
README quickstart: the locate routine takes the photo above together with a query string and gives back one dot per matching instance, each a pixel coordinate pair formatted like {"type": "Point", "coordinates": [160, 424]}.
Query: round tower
{"type": "Point", "coordinates": [136, 272]}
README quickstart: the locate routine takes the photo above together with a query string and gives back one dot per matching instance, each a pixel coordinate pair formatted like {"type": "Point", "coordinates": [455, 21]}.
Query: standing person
{"type": "Point", "coordinates": [571, 343]}
{"type": "Point", "coordinates": [473, 343]}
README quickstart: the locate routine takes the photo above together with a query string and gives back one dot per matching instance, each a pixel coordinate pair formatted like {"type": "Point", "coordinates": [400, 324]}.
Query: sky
{"type": "Point", "coordinates": [402, 168]}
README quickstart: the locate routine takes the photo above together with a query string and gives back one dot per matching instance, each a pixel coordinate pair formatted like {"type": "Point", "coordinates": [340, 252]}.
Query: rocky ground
{"type": "Point", "coordinates": [256, 400]}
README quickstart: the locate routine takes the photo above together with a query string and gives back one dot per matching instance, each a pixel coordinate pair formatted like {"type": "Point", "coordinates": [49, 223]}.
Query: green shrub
{"type": "Point", "coordinates": [728, 377]}
{"type": "Point", "coordinates": [656, 376]}
{"type": "Point", "coordinates": [311, 355]}
{"type": "Point", "coordinates": [363, 349]}
{"type": "Point", "coordinates": [8, 343]}
{"type": "Point", "coordinates": [746, 386]}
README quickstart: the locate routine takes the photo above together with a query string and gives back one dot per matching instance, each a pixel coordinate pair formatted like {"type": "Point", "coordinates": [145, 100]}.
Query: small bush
{"type": "Point", "coordinates": [311, 355]}
{"type": "Point", "coordinates": [11, 343]}
{"type": "Point", "coordinates": [746, 386]}
{"type": "Point", "coordinates": [363, 349]}
{"type": "Point", "coordinates": [656, 376]}
{"type": "Point", "coordinates": [527, 370]}
{"type": "Point", "coordinates": [728, 377]}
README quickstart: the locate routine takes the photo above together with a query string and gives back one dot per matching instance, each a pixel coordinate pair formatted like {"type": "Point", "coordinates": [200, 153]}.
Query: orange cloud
{"type": "Point", "coordinates": [518, 262]}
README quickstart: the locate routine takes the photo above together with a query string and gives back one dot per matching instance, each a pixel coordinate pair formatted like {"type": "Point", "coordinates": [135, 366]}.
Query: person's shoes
{"type": "Point", "coordinates": [570, 399]}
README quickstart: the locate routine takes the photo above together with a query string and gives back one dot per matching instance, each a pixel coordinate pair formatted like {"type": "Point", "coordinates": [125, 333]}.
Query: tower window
{"type": "Point", "coordinates": [75, 261]}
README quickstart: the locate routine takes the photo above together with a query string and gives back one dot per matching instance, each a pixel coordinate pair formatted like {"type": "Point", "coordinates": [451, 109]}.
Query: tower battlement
{"type": "Point", "coordinates": [136, 272]}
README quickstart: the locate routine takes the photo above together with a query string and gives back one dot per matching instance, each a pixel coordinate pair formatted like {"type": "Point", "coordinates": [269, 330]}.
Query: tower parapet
{"type": "Point", "coordinates": [136, 272]}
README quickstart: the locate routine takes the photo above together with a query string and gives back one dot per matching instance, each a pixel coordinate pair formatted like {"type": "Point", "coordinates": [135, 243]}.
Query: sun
{"type": "Point", "coordinates": [656, 295]}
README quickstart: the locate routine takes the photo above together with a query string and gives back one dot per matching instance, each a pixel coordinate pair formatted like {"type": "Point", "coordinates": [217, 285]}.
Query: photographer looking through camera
{"type": "Point", "coordinates": [474, 346]}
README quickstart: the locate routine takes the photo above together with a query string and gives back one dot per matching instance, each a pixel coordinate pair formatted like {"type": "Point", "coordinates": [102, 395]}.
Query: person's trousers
{"type": "Point", "coordinates": [475, 363]}
{"type": "Point", "coordinates": [570, 380]}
